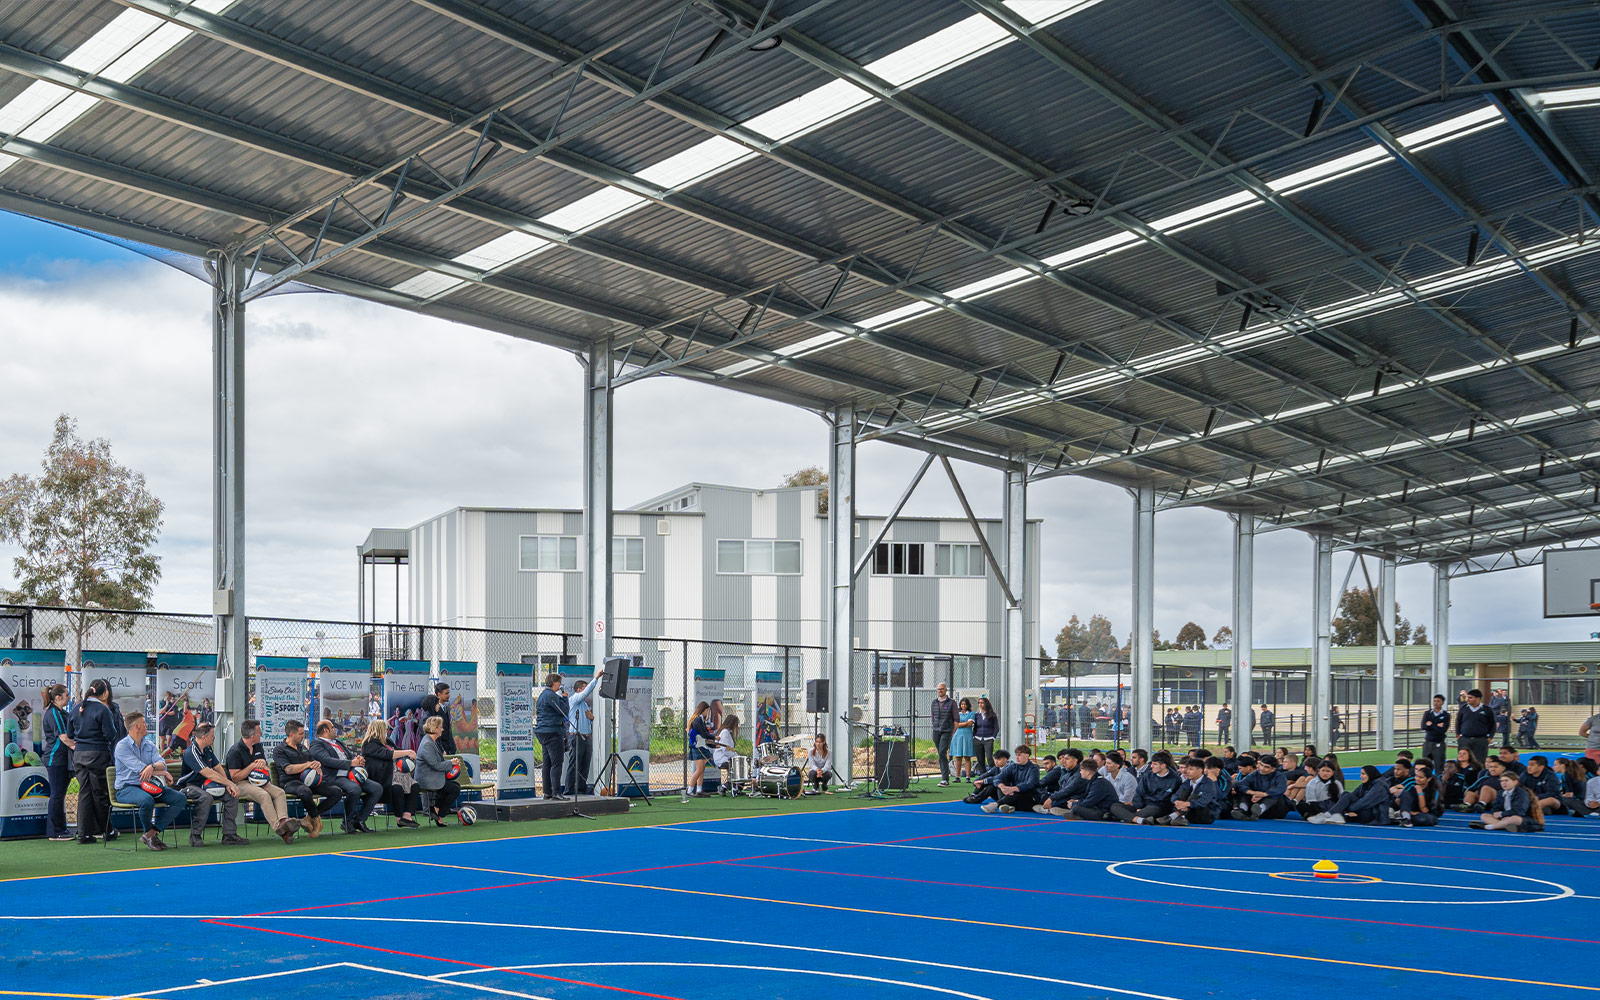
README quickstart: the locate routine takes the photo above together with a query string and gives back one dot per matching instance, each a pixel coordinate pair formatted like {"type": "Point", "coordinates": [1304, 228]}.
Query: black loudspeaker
{"type": "Point", "coordinates": [891, 761]}
{"type": "Point", "coordinates": [614, 684]}
{"type": "Point", "coordinates": [817, 696]}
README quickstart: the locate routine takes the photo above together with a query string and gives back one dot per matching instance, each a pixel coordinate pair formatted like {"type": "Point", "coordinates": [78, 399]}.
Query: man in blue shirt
{"type": "Point", "coordinates": [580, 726]}
{"type": "Point", "coordinates": [137, 762]}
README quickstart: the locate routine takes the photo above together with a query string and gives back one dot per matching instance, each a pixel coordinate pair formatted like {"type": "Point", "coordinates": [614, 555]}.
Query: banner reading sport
{"type": "Point", "coordinates": [280, 695]}
{"type": "Point", "coordinates": [186, 691]}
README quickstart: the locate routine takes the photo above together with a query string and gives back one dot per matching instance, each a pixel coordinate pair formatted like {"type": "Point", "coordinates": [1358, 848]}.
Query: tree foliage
{"type": "Point", "coordinates": [1191, 636]}
{"type": "Point", "coordinates": [1224, 638]}
{"type": "Point", "coordinates": [86, 527]}
{"type": "Point", "coordinates": [1079, 641]}
{"type": "Point", "coordinates": [811, 475]}
{"type": "Point", "coordinates": [1357, 622]}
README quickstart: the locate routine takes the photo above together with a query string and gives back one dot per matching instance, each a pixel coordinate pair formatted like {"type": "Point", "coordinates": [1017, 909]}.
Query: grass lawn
{"type": "Point", "coordinates": [33, 858]}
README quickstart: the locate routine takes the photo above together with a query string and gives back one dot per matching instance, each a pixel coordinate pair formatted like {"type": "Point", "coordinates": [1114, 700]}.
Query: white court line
{"type": "Point", "coordinates": [748, 968]}
{"type": "Point", "coordinates": [447, 982]}
{"type": "Point", "coordinates": [1387, 881]}
{"type": "Point", "coordinates": [208, 983]}
{"type": "Point", "coordinates": [1563, 892]}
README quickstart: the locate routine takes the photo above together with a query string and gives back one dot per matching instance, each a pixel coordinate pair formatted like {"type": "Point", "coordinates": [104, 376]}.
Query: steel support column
{"type": "Point", "coordinates": [1439, 674]}
{"type": "Point", "coordinates": [1142, 709]}
{"type": "Point", "coordinates": [1321, 640]}
{"type": "Point", "coordinates": [597, 529]}
{"type": "Point", "coordinates": [842, 605]}
{"type": "Point", "coordinates": [232, 627]}
{"type": "Point", "coordinates": [1385, 599]}
{"type": "Point", "coordinates": [1244, 555]}
{"type": "Point", "coordinates": [1014, 656]}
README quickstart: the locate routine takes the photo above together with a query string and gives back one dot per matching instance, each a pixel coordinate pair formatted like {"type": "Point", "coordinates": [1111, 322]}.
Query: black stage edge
{"type": "Point", "coordinates": [520, 810]}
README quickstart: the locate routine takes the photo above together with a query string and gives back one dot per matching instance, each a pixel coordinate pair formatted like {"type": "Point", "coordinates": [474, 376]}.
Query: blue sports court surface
{"type": "Point", "coordinates": [908, 901]}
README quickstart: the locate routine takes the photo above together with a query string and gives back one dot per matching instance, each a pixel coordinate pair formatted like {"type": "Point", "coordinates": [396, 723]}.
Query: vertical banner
{"type": "Point", "coordinates": [186, 695]}
{"type": "Point", "coordinates": [129, 677]}
{"type": "Point", "coordinates": [514, 740]}
{"type": "Point", "coordinates": [405, 684]}
{"type": "Point", "coordinates": [708, 686]}
{"type": "Point", "coordinates": [344, 696]}
{"type": "Point", "coordinates": [280, 695]}
{"type": "Point", "coordinates": [769, 688]}
{"type": "Point", "coordinates": [24, 783]}
{"type": "Point", "coordinates": [633, 730]}
{"type": "Point", "coordinates": [462, 710]}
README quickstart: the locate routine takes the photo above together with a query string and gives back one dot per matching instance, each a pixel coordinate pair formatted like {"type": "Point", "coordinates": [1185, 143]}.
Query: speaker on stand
{"type": "Point", "coordinates": [614, 688]}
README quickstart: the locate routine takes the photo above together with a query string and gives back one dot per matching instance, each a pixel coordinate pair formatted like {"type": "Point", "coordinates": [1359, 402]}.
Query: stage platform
{"type": "Point", "coordinates": [522, 810]}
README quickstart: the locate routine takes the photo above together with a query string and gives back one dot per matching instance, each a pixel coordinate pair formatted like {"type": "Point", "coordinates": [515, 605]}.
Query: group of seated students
{"type": "Point", "coordinates": [321, 773]}
{"type": "Point", "coordinates": [1203, 788]}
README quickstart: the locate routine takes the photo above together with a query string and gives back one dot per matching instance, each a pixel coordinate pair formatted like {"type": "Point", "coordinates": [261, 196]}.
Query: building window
{"type": "Point", "coordinates": [898, 559]}
{"type": "Point", "coordinates": [627, 554]}
{"type": "Point", "coordinates": [548, 552]}
{"type": "Point", "coordinates": [739, 669]}
{"type": "Point", "coordinates": [957, 559]}
{"type": "Point", "coordinates": [758, 557]}
{"type": "Point", "coordinates": [898, 672]}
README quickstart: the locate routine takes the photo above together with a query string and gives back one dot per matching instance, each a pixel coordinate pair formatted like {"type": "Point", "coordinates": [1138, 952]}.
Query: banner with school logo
{"type": "Point", "coordinates": [186, 695]}
{"type": "Point", "coordinates": [461, 703]}
{"type": "Point", "coordinates": [405, 684]}
{"type": "Point", "coordinates": [344, 694]}
{"type": "Point", "coordinates": [514, 740]}
{"type": "Point", "coordinates": [129, 677]}
{"type": "Point", "coordinates": [25, 674]}
{"type": "Point", "coordinates": [280, 695]}
{"type": "Point", "coordinates": [769, 688]}
{"type": "Point", "coordinates": [633, 731]}
{"type": "Point", "coordinates": [708, 687]}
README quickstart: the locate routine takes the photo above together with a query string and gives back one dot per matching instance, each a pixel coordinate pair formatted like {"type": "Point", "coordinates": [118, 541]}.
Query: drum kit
{"type": "Point", "coordinates": [773, 771]}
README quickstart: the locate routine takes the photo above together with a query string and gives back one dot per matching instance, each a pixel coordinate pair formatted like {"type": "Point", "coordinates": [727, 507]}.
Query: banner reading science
{"type": "Point", "coordinates": [344, 692]}
{"type": "Point", "coordinates": [514, 735]}
{"type": "Point", "coordinates": [462, 709]}
{"type": "Point", "coordinates": [405, 684]}
{"type": "Point", "coordinates": [24, 783]}
{"type": "Point", "coordinates": [186, 685]}
{"type": "Point", "coordinates": [280, 694]}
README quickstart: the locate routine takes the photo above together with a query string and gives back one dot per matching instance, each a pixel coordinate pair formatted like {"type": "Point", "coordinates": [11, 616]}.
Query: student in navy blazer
{"type": "Point", "coordinates": [58, 745]}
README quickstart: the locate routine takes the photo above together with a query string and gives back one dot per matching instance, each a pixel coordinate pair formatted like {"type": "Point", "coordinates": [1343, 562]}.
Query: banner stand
{"type": "Point", "coordinates": [24, 781]}
{"type": "Point", "coordinates": [514, 741]}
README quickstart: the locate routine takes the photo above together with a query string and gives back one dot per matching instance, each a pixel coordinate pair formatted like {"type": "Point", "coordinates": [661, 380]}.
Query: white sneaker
{"type": "Point", "coordinates": [1317, 818]}
{"type": "Point", "coordinates": [1141, 820]}
{"type": "Point", "coordinates": [1337, 819]}
{"type": "Point", "coordinates": [990, 807]}
{"type": "Point", "coordinates": [943, 783]}
{"type": "Point", "coordinates": [1058, 811]}
{"type": "Point", "coordinates": [1042, 810]}
{"type": "Point", "coordinates": [1008, 809]}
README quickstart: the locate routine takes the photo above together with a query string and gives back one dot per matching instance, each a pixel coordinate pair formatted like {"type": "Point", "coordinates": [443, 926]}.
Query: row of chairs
{"type": "Point", "coordinates": [294, 806]}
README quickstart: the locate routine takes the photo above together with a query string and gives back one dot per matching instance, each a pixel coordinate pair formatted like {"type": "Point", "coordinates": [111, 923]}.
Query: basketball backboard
{"type": "Point", "coordinates": [1572, 582]}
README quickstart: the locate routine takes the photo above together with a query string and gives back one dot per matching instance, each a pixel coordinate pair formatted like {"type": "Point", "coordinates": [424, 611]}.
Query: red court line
{"type": "Point", "coordinates": [397, 899]}
{"type": "Point", "coordinates": [1161, 902]}
{"type": "Point", "coordinates": [449, 961]}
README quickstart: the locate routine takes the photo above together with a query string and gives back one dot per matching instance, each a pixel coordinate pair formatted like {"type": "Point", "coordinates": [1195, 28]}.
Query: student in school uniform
{"type": "Point", "coordinates": [1050, 775]}
{"type": "Point", "coordinates": [1511, 759]}
{"type": "Point", "coordinates": [1221, 802]}
{"type": "Point", "coordinates": [998, 762]}
{"type": "Point", "coordinates": [1419, 804]}
{"type": "Point", "coordinates": [1140, 761]}
{"type": "Point", "coordinates": [1096, 801]}
{"type": "Point", "coordinates": [1400, 781]}
{"type": "Point", "coordinates": [1575, 777]}
{"type": "Point", "coordinates": [1014, 787]}
{"type": "Point", "coordinates": [1262, 794]}
{"type": "Point", "coordinates": [1322, 791]}
{"type": "Point", "coordinates": [1543, 784]}
{"type": "Point", "coordinates": [1122, 777]}
{"type": "Point", "coordinates": [1515, 809]}
{"type": "Point", "coordinates": [1069, 788]}
{"type": "Point", "coordinates": [1368, 802]}
{"type": "Point", "coordinates": [1153, 797]}
{"type": "Point", "coordinates": [1193, 802]}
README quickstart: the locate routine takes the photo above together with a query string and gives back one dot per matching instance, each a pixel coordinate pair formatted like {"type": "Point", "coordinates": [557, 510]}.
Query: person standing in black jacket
{"type": "Point", "coordinates": [1474, 725]}
{"type": "Point", "coordinates": [97, 726]}
{"type": "Point", "coordinates": [943, 712]}
{"type": "Point", "coordinates": [58, 746]}
{"type": "Point", "coordinates": [440, 706]}
{"type": "Point", "coordinates": [1435, 727]}
{"type": "Point", "coordinates": [1269, 721]}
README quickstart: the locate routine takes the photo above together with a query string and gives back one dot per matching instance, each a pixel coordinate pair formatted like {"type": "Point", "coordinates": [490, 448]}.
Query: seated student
{"type": "Point", "coordinates": [1099, 795]}
{"type": "Point", "coordinates": [1591, 789]}
{"type": "Point", "coordinates": [1262, 793]}
{"type": "Point", "coordinates": [1230, 760]}
{"type": "Point", "coordinates": [1401, 755]}
{"type": "Point", "coordinates": [1309, 751]}
{"type": "Point", "coordinates": [1291, 768]}
{"type": "Point", "coordinates": [1488, 792]}
{"type": "Point", "coordinates": [1069, 787]}
{"type": "Point", "coordinates": [1221, 798]}
{"type": "Point", "coordinates": [138, 761]}
{"type": "Point", "coordinates": [1368, 802]}
{"type": "Point", "coordinates": [1195, 798]}
{"type": "Point", "coordinates": [1051, 774]}
{"type": "Point", "coordinates": [1139, 760]}
{"type": "Point", "coordinates": [1153, 796]}
{"type": "Point", "coordinates": [1466, 783]}
{"type": "Point", "coordinates": [1121, 776]}
{"type": "Point", "coordinates": [1015, 785]}
{"type": "Point", "coordinates": [1400, 780]}
{"type": "Point", "coordinates": [1514, 809]}
{"type": "Point", "coordinates": [1576, 776]}
{"type": "Point", "coordinates": [1001, 760]}
{"type": "Point", "coordinates": [200, 764]}
{"type": "Point", "coordinates": [295, 766]}
{"type": "Point", "coordinates": [1543, 784]}
{"type": "Point", "coordinates": [1321, 792]}
{"type": "Point", "coordinates": [1511, 759]}
{"type": "Point", "coordinates": [1420, 804]}
{"type": "Point", "coordinates": [1304, 772]}
{"type": "Point", "coordinates": [361, 795]}
{"type": "Point", "coordinates": [1099, 759]}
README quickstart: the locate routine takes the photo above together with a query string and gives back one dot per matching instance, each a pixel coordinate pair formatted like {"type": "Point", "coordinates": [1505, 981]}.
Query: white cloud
{"type": "Point", "coordinates": [361, 416]}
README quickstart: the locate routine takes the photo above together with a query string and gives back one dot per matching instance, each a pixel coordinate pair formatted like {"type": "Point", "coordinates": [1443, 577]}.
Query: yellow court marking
{"type": "Point", "coordinates": [1004, 926]}
{"type": "Point", "coordinates": [63, 996]}
{"type": "Point", "coordinates": [1342, 878]}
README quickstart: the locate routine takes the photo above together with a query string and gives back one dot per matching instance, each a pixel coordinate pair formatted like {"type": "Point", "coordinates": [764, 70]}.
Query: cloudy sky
{"type": "Point", "coordinates": [361, 416]}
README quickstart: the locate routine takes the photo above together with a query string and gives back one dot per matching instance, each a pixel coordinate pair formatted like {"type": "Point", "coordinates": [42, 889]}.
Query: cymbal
{"type": "Point", "coordinates": [797, 738]}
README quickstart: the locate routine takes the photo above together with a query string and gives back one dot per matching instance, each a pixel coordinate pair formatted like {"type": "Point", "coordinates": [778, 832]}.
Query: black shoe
{"type": "Point", "coordinates": [112, 834]}
{"type": "Point", "coordinates": [234, 840]}
{"type": "Point", "coordinates": [86, 840]}
{"type": "Point", "coordinates": [352, 828]}
{"type": "Point", "coordinates": [409, 824]}
{"type": "Point", "coordinates": [362, 827]}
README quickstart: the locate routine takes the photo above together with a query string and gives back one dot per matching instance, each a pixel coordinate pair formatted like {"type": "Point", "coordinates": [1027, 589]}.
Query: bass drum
{"type": "Point", "coordinates": [776, 781]}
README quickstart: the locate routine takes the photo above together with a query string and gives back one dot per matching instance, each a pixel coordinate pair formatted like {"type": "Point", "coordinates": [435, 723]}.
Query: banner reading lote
{"type": "Point", "coordinates": [280, 695]}
{"type": "Point", "coordinates": [461, 706]}
{"type": "Point", "coordinates": [24, 782]}
{"type": "Point", "coordinates": [186, 690]}
{"type": "Point", "coordinates": [514, 740]}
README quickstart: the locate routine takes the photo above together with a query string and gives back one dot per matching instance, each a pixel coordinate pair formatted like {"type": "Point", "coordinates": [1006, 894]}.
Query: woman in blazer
{"type": "Point", "coordinates": [58, 745]}
{"type": "Point", "coordinates": [96, 726]}
{"type": "Point", "coordinates": [400, 793]}
{"type": "Point", "coordinates": [432, 765]}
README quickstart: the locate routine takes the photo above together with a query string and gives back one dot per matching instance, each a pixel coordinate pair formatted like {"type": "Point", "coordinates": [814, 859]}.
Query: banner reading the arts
{"type": "Point", "coordinates": [25, 674]}
{"type": "Point", "coordinates": [344, 696]}
{"type": "Point", "coordinates": [769, 688]}
{"type": "Point", "coordinates": [514, 740]}
{"type": "Point", "coordinates": [462, 704]}
{"type": "Point", "coordinates": [708, 687]}
{"type": "Point", "coordinates": [280, 695]}
{"type": "Point", "coordinates": [129, 677]}
{"type": "Point", "coordinates": [405, 684]}
{"type": "Point", "coordinates": [186, 693]}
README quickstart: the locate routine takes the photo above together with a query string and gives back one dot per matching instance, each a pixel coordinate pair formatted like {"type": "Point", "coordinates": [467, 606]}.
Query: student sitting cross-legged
{"type": "Point", "coordinates": [1578, 786]}
{"type": "Point", "coordinates": [1420, 803]}
{"type": "Point", "coordinates": [1068, 787]}
{"type": "Point", "coordinates": [1001, 760]}
{"type": "Point", "coordinates": [1097, 797]}
{"type": "Point", "coordinates": [1322, 791]}
{"type": "Point", "coordinates": [1515, 809]}
{"type": "Point", "coordinates": [1051, 773]}
{"type": "Point", "coordinates": [1543, 784]}
{"type": "Point", "coordinates": [1262, 793]}
{"type": "Point", "coordinates": [1368, 802]}
{"type": "Point", "coordinates": [1013, 787]}
{"type": "Point", "coordinates": [1222, 781]}
{"type": "Point", "coordinates": [1195, 798]}
{"type": "Point", "coordinates": [1153, 796]}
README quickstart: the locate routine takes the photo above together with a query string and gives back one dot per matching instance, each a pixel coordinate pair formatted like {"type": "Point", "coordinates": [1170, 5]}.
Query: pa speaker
{"type": "Point", "coordinates": [614, 684]}
{"type": "Point", "coordinates": [891, 761]}
{"type": "Point", "coordinates": [817, 695]}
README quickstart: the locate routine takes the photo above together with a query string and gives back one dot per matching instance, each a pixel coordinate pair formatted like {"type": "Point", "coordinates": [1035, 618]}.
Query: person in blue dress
{"type": "Point", "coordinates": [961, 749]}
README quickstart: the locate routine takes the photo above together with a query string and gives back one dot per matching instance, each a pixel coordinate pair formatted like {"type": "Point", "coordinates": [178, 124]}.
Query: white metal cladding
{"type": "Point", "coordinates": [1299, 266]}
{"type": "Point", "coordinates": [465, 569]}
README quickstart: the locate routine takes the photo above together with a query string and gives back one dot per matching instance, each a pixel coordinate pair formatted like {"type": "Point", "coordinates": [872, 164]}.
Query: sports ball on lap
{"type": "Point", "coordinates": [453, 771]}
{"type": "Point", "coordinates": [155, 784]}
{"type": "Point", "coordinates": [215, 789]}
{"type": "Point", "coordinates": [311, 777]}
{"type": "Point", "coordinates": [259, 776]}
{"type": "Point", "coordinates": [405, 765]}
{"type": "Point", "coordinates": [467, 815]}
{"type": "Point", "coordinates": [357, 775]}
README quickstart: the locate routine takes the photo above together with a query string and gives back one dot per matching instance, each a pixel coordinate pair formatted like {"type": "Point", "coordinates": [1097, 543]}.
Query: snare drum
{"type": "Point", "coordinates": [778, 781]}
{"type": "Point", "coordinates": [739, 769]}
{"type": "Point", "coordinates": [771, 753]}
